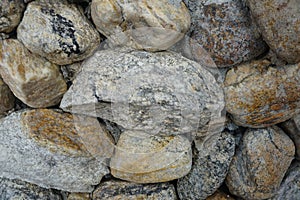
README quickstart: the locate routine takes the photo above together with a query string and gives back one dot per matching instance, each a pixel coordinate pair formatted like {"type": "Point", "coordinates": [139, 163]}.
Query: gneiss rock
{"type": "Point", "coordinates": [225, 29]}
{"type": "Point", "coordinates": [220, 196]}
{"type": "Point", "coordinates": [143, 158]}
{"type": "Point", "coordinates": [33, 79]}
{"type": "Point", "coordinates": [279, 22]}
{"type": "Point", "coordinates": [10, 14]}
{"type": "Point", "coordinates": [160, 92]}
{"type": "Point", "coordinates": [259, 165]}
{"type": "Point", "coordinates": [16, 189]}
{"type": "Point", "coordinates": [58, 31]}
{"type": "Point", "coordinates": [150, 25]}
{"type": "Point", "coordinates": [259, 95]}
{"type": "Point", "coordinates": [290, 187]}
{"type": "Point", "coordinates": [210, 167]}
{"type": "Point", "coordinates": [7, 99]}
{"type": "Point", "coordinates": [292, 128]}
{"type": "Point", "coordinates": [114, 190]}
{"type": "Point", "coordinates": [43, 147]}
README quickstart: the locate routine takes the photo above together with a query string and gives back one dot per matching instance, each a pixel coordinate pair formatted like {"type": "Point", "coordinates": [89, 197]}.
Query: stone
{"type": "Point", "coordinates": [46, 148]}
{"type": "Point", "coordinates": [279, 23]}
{"type": "Point", "coordinates": [58, 31]}
{"type": "Point", "coordinates": [114, 190]}
{"type": "Point", "coordinates": [143, 158]}
{"type": "Point", "coordinates": [260, 163]}
{"type": "Point", "coordinates": [11, 12]}
{"type": "Point", "coordinates": [7, 99]}
{"type": "Point", "coordinates": [16, 189]}
{"type": "Point", "coordinates": [145, 25]}
{"type": "Point", "coordinates": [70, 72]}
{"type": "Point", "coordinates": [290, 187]}
{"type": "Point", "coordinates": [33, 79]}
{"type": "Point", "coordinates": [292, 129]}
{"type": "Point", "coordinates": [225, 29]}
{"type": "Point", "coordinates": [79, 196]}
{"type": "Point", "coordinates": [219, 195]}
{"type": "Point", "coordinates": [159, 92]}
{"type": "Point", "coordinates": [258, 94]}
{"type": "Point", "coordinates": [210, 167]}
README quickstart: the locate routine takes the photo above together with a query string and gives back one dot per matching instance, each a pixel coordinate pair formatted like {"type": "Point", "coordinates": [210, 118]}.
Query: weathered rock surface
{"type": "Point", "coordinates": [143, 158]}
{"type": "Point", "coordinates": [210, 167]}
{"type": "Point", "coordinates": [43, 147]}
{"type": "Point", "coordinates": [220, 196]}
{"type": "Point", "coordinates": [70, 72]}
{"type": "Point", "coordinates": [10, 14]}
{"type": "Point", "coordinates": [259, 95]}
{"type": "Point", "coordinates": [7, 99]}
{"type": "Point", "coordinates": [160, 92]}
{"type": "Point", "coordinates": [79, 196]}
{"type": "Point", "coordinates": [260, 162]}
{"type": "Point", "coordinates": [16, 189]}
{"type": "Point", "coordinates": [290, 187]}
{"type": "Point", "coordinates": [292, 128]}
{"type": "Point", "coordinates": [279, 22]}
{"type": "Point", "coordinates": [225, 29]}
{"type": "Point", "coordinates": [114, 190]}
{"type": "Point", "coordinates": [149, 25]}
{"type": "Point", "coordinates": [58, 31]}
{"type": "Point", "coordinates": [33, 79]}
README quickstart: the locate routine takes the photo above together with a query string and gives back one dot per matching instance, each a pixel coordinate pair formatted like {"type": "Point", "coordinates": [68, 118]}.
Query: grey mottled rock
{"type": "Point", "coordinates": [43, 147]}
{"type": "Point", "coordinates": [70, 72]}
{"type": "Point", "coordinates": [19, 190]}
{"type": "Point", "coordinates": [114, 190]}
{"type": "Point", "coordinates": [258, 95]}
{"type": "Point", "coordinates": [290, 187]}
{"type": "Point", "coordinates": [160, 92]}
{"type": "Point", "coordinates": [260, 162]}
{"type": "Point", "coordinates": [210, 167]}
{"type": "Point", "coordinates": [7, 99]}
{"type": "Point", "coordinates": [33, 79]}
{"type": "Point", "coordinates": [10, 14]}
{"type": "Point", "coordinates": [219, 195]}
{"type": "Point", "coordinates": [79, 196]}
{"type": "Point", "coordinates": [58, 31]}
{"type": "Point", "coordinates": [143, 158]}
{"type": "Point", "coordinates": [225, 29]}
{"type": "Point", "coordinates": [148, 25]}
{"type": "Point", "coordinates": [279, 22]}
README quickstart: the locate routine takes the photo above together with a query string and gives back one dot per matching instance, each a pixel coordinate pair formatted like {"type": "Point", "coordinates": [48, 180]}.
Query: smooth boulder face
{"type": "Point", "coordinates": [258, 94]}
{"type": "Point", "coordinates": [114, 190]}
{"type": "Point", "coordinates": [224, 29]}
{"type": "Point", "coordinates": [33, 79]}
{"type": "Point", "coordinates": [43, 147]}
{"type": "Point", "coordinates": [160, 92]}
{"type": "Point", "coordinates": [7, 99]}
{"type": "Point", "coordinates": [149, 25]}
{"type": "Point", "coordinates": [260, 163]}
{"type": "Point", "coordinates": [210, 167]}
{"type": "Point", "coordinates": [16, 189]}
{"type": "Point", "coordinates": [58, 31]}
{"type": "Point", "coordinates": [10, 14]}
{"type": "Point", "coordinates": [143, 158]}
{"type": "Point", "coordinates": [279, 22]}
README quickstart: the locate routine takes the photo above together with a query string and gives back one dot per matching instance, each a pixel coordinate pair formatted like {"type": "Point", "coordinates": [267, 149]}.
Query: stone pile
{"type": "Point", "coordinates": [157, 100]}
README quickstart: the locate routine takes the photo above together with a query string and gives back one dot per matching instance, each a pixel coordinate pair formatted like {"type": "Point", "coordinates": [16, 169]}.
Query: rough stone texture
{"type": "Point", "coordinates": [143, 158]}
{"type": "Point", "coordinates": [58, 31]}
{"type": "Point", "coordinates": [259, 95]}
{"type": "Point", "coordinates": [149, 25]}
{"type": "Point", "coordinates": [220, 196]}
{"type": "Point", "coordinates": [292, 128]}
{"type": "Point", "coordinates": [43, 147]}
{"type": "Point", "coordinates": [32, 79]}
{"type": "Point", "coordinates": [290, 187]}
{"type": "Point", "coordinates": [279, 22]}
{"type": "Point", "coordinates": [225, 30]}
{"type": "Point", "coordinates": [70, 72]}
{"type": "Point", "coordinates": [79, 196]}
{"type": "Point", "coordinates": [7, 99]}
{"type": "Point", "coordinates": [10, 14]}
{"type": "Point", "coordinates": [160, 92]}
{"type": "Point", "coordinates": [260, 162]}
{"type": "Point", "coordinates": [19, 190]}
{"type": "Point", "coordinates": [210, 167]}
{"type": "Point", "coordinates": [115, 190]}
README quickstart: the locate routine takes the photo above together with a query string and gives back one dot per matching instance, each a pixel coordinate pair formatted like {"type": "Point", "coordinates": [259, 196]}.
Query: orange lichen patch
{"type": "Point", "coordinates": [54, 130]}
